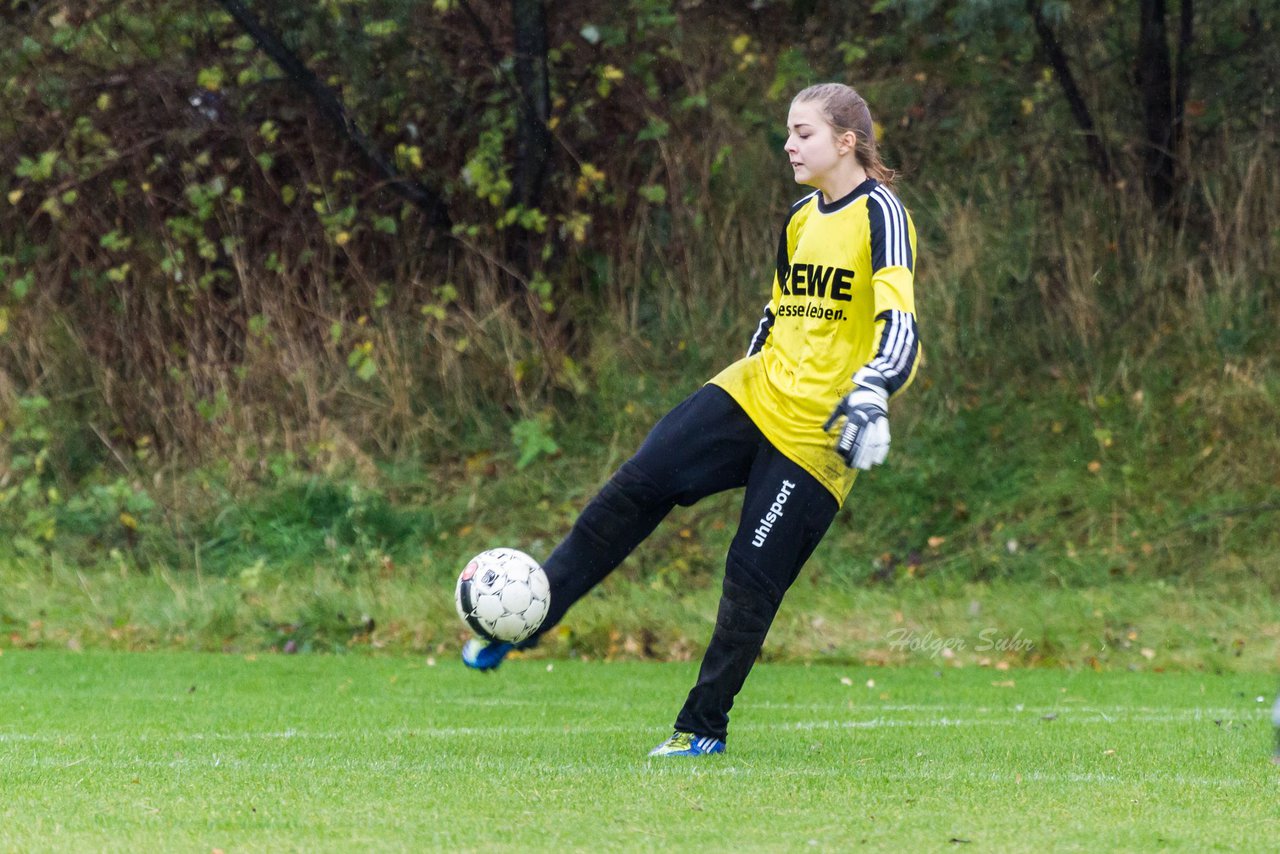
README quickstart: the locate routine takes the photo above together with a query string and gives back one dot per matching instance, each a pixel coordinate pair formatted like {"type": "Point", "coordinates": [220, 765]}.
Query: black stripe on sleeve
{"type": "Point", "coordinates": [762, 333]}
{"type": "Point", "coordinates": [782, 264]}
{"type": "Point", "coordinates": [875, 217]}
{"type": "Point", "coordinates": [890, 235]}
{"type": "Point", "coordinates": [782, 267]}
{"type": "Point", "coordinates": [899, 348]}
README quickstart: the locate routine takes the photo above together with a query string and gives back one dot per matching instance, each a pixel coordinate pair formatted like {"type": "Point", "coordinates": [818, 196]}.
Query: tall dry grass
{"type": "Point", "coordinates": [1012, 280]}
{"type": "Point", "coordinates": [284, 338]}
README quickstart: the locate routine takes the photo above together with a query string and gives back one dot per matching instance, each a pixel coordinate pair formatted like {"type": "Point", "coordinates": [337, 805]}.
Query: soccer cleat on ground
{"type": "Point", "coordinates": [1275, 721]}
{"type": "Point", "coordinates": [688, 744]}
{"type": "Point", "coordinates": [481, 654]}
{"type": "Point", "coordinates": [484, 655]}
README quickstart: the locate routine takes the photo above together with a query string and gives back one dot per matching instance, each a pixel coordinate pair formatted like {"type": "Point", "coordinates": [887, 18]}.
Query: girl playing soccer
{"type": "Point", "coordinates": [836, 342]}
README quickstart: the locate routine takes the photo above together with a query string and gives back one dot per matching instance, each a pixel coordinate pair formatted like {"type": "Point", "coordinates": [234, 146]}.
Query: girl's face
{"type": "Point", "coordinates": [812, 147]}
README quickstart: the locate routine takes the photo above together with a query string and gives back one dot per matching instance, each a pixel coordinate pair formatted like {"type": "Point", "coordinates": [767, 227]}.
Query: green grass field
{"type": "Point", "coordinates": [196, 752]}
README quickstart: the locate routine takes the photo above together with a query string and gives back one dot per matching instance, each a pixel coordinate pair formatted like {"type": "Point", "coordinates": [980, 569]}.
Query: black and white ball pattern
{"type": "Point", "coordinates": [503, 594]}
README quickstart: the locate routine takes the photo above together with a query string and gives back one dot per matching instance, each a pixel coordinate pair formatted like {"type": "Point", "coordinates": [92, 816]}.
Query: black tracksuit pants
{"type": "Point", "coordinates": [707, 444]}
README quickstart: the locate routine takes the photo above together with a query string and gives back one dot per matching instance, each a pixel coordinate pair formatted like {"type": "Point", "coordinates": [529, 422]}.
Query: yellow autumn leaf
{"type": "Point", "coordinates": [590, 177]}
{"type": "Point", "coordinates": [210, 78]}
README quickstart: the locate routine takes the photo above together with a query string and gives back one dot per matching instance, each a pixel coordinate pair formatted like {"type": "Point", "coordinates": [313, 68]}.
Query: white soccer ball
{"type": "Point", "coordinates": [503, 594]}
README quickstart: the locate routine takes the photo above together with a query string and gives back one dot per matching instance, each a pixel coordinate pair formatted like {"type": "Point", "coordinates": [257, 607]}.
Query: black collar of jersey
{"type": "Point", "coordinates": [861, 190]}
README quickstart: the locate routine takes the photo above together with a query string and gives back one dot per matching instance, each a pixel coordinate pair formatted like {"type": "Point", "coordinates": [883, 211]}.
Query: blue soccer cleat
{"type": "Point", "coordinates": [485, 654]}
{"type": "Point", "coordinates": [688, 744]}
{"type": "Point", "coordinates": [482, 654]}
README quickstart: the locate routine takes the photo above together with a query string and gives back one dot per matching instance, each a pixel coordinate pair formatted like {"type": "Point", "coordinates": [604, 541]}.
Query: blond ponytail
{"type": "Point", "coordinates": [845, 110]}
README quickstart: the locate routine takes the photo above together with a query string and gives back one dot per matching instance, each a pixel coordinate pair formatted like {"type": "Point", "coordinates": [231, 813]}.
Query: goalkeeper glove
{"type": "Point", "coordinates": [864, 441]}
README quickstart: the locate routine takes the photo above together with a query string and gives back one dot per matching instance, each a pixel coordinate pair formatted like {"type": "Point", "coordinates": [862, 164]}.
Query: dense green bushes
{"type": "Point", "coordinates": [211, 304]}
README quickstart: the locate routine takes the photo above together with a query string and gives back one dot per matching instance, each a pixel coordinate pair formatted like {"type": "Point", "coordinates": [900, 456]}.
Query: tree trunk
{"type": "Point", "coordinates": [533, 139]}
{"type": "Point", "coordinates": [1186, 18]}
{"type": "Point", "coordinates": [1155, 86]}
{"type": "Point", "coordinates": [331, 108]}
{"type": "Point", "coordinates": [1057, 59]}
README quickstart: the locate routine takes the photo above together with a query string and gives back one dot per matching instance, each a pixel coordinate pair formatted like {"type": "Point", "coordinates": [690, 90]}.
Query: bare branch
{"type": "Point", "coordinates": [330, 106]}
{"type": "Point", "coordinates": [1057, 59]}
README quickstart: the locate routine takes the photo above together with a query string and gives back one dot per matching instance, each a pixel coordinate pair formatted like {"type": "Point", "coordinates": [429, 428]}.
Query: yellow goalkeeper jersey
{"type": "Point", "coordinates": [843, 298]}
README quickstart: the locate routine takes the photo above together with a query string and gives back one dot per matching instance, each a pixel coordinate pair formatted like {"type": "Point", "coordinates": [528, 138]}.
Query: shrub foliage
{"type": "Point", "coordinates": [201, 260]}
